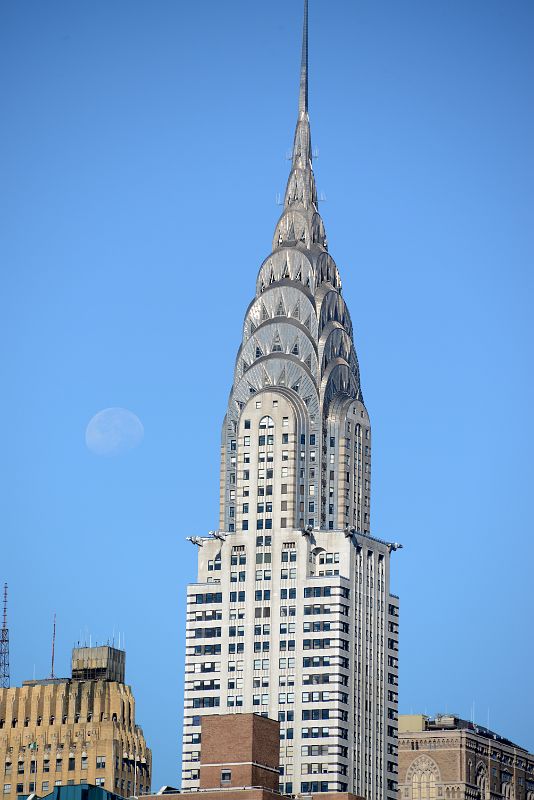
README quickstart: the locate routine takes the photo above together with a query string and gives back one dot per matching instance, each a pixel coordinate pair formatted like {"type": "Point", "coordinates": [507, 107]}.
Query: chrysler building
{"type": "Point", "coordinates": [291, 614]}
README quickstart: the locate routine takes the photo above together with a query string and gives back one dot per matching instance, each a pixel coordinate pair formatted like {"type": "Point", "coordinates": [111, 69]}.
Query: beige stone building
{"type": "Point", "coordinates": [64, 731]}
{"type": "Point", "coordinates": [453, 759]}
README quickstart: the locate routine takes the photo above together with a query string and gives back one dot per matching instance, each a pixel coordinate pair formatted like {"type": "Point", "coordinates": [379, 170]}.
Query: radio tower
{"type": "Point", "coordinates": [4, 647]}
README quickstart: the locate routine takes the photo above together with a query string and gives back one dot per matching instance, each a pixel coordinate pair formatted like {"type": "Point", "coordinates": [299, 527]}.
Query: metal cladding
{"type": "Point", "coordinates": [297, 332]}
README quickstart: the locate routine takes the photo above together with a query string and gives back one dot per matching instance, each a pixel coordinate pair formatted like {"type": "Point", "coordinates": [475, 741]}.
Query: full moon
{"type": "Point", "coordinates": [113, 431]}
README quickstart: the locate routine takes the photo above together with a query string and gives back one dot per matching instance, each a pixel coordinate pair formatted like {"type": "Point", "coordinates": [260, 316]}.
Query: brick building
{"type": "Point", "coordinates": [453, 759]}
{"type": "Point", "coordinates": [239, 760]}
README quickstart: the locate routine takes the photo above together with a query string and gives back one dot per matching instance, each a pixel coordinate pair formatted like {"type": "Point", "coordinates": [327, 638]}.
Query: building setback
{"type": "Point", "coordinates": [453, 759]}
{"type": "Point", "coordinates": [291, 615]}
{"type": "Point", "coordinates": [81, 730]}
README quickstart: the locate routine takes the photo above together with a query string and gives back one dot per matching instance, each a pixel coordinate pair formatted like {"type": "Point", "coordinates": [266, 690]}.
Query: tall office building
{"type": "Point", "coordinates": [291, 615]}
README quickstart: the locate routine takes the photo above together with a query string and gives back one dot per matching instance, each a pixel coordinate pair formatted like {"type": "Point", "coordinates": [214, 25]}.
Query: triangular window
{"type": "Point", "coordinates": [295, 350]}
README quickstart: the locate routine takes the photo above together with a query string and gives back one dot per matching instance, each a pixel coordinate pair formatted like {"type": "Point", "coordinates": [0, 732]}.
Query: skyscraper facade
{"type": "Point", "coordinates": [291, 615]}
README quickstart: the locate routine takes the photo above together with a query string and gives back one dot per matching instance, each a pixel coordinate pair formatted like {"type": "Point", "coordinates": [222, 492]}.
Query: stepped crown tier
{"type": "Point", "coordinates": [297, 367]}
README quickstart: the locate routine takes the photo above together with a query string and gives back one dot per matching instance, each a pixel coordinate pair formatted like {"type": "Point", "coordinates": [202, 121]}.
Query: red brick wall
{"type": "Point", "coordinates": [245, 743]}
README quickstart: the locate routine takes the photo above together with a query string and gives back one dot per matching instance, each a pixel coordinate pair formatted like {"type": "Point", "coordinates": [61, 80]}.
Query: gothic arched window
{"type": "Point", "coordinates": [482, 782]}
{"type": "Point", "coordinates": [423, 776]}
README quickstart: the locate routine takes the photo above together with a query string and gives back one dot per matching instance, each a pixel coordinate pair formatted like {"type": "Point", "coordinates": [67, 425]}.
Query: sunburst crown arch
{"type": "Point", "coordinates": [298, 343]}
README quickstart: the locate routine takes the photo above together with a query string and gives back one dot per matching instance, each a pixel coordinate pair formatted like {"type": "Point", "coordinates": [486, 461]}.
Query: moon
{"type": "Point", "coordinates": [113, 431]}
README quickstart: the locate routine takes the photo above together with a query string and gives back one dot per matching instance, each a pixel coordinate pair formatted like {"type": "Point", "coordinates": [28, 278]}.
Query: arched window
{"type": "Point", "coordinates": [423, 776]}
{"type": "Point", "coordinates": [482, 782]}
{"type": "Point", "coordinates": [507, 786]}
{"type": "Point", "coordinates": [266, 422]}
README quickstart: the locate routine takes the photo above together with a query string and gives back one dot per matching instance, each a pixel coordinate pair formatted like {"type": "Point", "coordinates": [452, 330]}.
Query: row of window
{"type": "Point", "coordinates": [100, 763]}
{"type": "Point", "coordinates": [284, 662]}
{"type": "Point", "coordinates": [45, 786]}
{"type": "Point", "coordinates": [64, 720]}
{"type": "Point", "coordinates": [283, 698]}
{"type": "Point", "coordinates": [291, 593]}
{"type": "Point", "coordinates": [285, 611]}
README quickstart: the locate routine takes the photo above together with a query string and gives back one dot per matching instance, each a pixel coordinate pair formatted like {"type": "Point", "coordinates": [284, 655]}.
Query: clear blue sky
{"type": "Point", "coordinates": [142, 145]}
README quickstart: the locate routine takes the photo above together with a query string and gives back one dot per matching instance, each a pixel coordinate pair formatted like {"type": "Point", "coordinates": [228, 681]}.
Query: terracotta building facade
{"type": "Point", "coordinates": [78, 730]}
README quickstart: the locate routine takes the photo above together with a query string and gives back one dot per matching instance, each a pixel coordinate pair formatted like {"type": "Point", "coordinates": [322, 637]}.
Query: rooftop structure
{"type": "Point", "coordinates": [98, 663]}
{"type": "Point", "coordinates": [80, 791]}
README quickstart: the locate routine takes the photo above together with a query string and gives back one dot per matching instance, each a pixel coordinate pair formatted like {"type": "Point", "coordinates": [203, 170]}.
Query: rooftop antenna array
{"type": "Point", "coordinates": [4, 647]}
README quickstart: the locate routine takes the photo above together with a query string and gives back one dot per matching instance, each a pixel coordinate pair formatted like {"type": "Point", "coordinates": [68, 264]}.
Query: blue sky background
{"type": "Point", "coordinates": [142, 146]}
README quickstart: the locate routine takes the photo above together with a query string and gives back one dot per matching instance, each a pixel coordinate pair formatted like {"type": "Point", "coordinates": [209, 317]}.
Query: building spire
{"type": "Point", "coordinates": [303, 96]}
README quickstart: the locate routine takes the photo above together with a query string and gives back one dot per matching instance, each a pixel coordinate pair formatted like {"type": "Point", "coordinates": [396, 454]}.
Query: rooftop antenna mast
{"type": "Point", "coordinates": [4, 647]}
{"type": "Point", "coordinates": [52, 676]}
